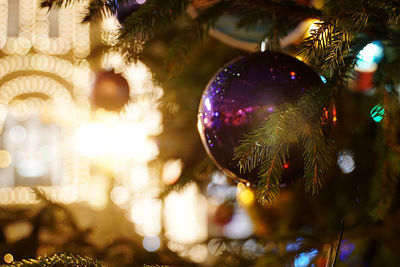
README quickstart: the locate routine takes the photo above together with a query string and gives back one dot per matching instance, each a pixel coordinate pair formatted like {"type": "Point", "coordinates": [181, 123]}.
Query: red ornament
{"type": "Point", "coordinates": [110, 91]}
{"type": "Point", "coordinates": [364, 79]}
{"type": "Point", "coordinates": [223, 214]}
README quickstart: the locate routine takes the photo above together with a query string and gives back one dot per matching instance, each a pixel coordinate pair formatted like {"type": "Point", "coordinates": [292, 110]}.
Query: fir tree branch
{"type": "Point", "coordinates": [285, 9]}
{"type": "Point", "coordinates": [57, 260]}
{"type": "Point", "coordinates": [192, 34]}
{"type": "Point", "coordinates": [268, 146]}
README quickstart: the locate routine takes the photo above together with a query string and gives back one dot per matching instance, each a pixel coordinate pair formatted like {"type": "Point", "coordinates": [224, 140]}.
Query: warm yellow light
{"type": "Point", "coordinates": [127, 138]}
{"type": "Point", "coordinates": [8, 258]}
{"type": "Point", "coordinates": [313, 26]}
{"type": "Point", "coordinates": [92, 140]}
{"type": "Point", "coordinates": [185, 215]}
{"type": "Point", "coordinates": [246, 197]}
{"type": "Point", "coordinates": [198, 253]}
{"type": "Point", "coordinates": [5, 159]}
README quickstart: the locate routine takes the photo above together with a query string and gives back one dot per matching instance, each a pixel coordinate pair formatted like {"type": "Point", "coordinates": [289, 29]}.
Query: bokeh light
{"type": "Point", "coordinates": [369, 56]}
{"type": "Point", "coordinates": [172, 169]}
{"type": "Point", "coordinates": [377, 113]}
{"type": "Point", "coordinates": [5, 159]}
{"type": "Point", "coordinates": [345, 161]}
{"type": "Point", "coordinates": [8, 258]}
{"type": "Point", "coordinates": [305, 258]}
{"type": "Point", "coordinates": [151, 243]}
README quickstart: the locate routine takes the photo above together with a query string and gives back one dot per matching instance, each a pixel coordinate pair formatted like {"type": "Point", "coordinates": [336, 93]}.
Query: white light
{"type": "Point", "coordinates": [240, 226]}
{"type": "Point", "coordinates": [151, 243]}
{"type": "Point", "coordinates": [92, 140]}
{"type": "Point", "coordinates": [31, 168]}
{"type": "Point", "coordinates": [139, 176]}
{"type": "Point", "coordinates": [17, 134]}
{"type": "Point", "coordinates": [369, 56]}
{"type": "Point", "coordinates": [345, 161]}
{"type": "Point", "coordinates": [146, 213]}
{"type": "Point", "coordinates": [127, 138]}
{"type": "Point", "coordinates": [185, 215]}
{"type": "Point", "coordinates": [208, 104]}
{"type": "Point", "coordinates": [172, 169]}
{"type": "Point", "coordinates": [198, 253]}
{"type": "Point", "coordinates": [119, 195]}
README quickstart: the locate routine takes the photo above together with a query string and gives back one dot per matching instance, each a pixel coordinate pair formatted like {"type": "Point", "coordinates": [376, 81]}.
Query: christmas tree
{"type": "Point", "coordinates": [299, 131]}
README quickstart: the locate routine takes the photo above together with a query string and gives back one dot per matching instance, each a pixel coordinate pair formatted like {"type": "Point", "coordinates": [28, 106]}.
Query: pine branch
{"type": "Point", "coordinates": [317, 156]}
{"type": "Point", "coordinates": [57, 260]}
{"type": "Point", "coordinates": [142, 23]}
{"type": "Point", "coordinates": [269, 145]}
{"type": "Point", "coordinates": [191, 35]}
{"type": "Point", "coordinates": [286, 9]}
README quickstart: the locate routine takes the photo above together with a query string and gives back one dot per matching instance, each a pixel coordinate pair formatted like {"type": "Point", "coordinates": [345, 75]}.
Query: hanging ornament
{"type": "Point", "coordinates": [241, 96]}
{"type": "Point", "coordinates": [110, 91]}
{"type": "Point", "coordinates": [123, 8]}
{"type": "Point", "coordinates": [248, 38]}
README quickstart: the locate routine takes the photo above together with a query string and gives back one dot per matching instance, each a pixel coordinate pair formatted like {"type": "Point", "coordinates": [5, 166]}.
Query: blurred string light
{"type": "Point", "coordinates": [346, 161]}
{"type": "Point", "coordinates": [185, 216]}
{"type": "Point", "coordinates": [5, 158]}
{"type": "Point", "coordinates": [294, 246]}
{"type": "Point", "coordinates": [34, 30]}
{"type": "Point", "coordinates": [377, 113]}
{"type": "Point", "coordinates": [304, 259]}
{"type": "Point", "coordinates": [151, 243]}
{"type": "Point", "coordinates": [171, 171]}
{"type": "Point", "coordinates": [370, 56]}
{"type": "Point", "coordinates": [244, 195]}
{"type": "Point", "coordinates": [346, 249]}
{"type": "Point", "coordinates": [8, 258]}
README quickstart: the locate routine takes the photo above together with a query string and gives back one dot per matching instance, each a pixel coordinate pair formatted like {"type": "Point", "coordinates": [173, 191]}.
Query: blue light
{"type": "Point", "coordinates": [294, 246]}
{"type": "Point", "coordinates": [346, 249]}
{"type": "Point", "coordinates": [377, 113]}
{"type": "Point", "coordinates": [370, 55]}
{"type": "Point", "coordinates": [304, 259]}
{"type": "Point", "coordinates": [322, 78]}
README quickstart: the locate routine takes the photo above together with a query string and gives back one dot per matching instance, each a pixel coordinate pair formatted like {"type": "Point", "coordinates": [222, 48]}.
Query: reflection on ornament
{"type": "Point", "coordinates": [345, 161]}
{"type": "Point", "coordinates": [110, 91]}
{"type": "Point", "coordinates": [241, 96]}
{"type": "Point", "coordinates": [377, 113]}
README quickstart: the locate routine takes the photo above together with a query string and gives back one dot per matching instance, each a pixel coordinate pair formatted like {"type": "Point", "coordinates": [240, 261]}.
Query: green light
{"type": "Point", "coordinates": [377, 113]}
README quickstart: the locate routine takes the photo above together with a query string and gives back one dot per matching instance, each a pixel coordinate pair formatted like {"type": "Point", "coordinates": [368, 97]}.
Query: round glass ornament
{"type": "Point", "coordinates": [240, 97]}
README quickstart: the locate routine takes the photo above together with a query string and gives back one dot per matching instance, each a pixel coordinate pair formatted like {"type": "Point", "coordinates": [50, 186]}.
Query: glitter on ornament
{"type": "Point", "coordinates": [241, 96]}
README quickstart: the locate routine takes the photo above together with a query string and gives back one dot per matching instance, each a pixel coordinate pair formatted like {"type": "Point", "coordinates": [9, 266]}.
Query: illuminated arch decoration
{"type": "Point", "coordinates": [76, 170]}
{"type": "Point", "coordinates": [78, 75]}
{"type": "Point", "coordinates": [34, 30]}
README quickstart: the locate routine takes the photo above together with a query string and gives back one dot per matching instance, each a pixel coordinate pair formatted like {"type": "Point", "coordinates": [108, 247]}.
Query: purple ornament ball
{"type": "Point", "coordinates": [240, 97]}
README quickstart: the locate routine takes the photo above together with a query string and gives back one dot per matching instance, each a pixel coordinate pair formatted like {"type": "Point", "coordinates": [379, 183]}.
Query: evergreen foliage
{"type": "Point", "coordinates": [332, 48]}
{"type": "Point", "coordinates": [57, 260]}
